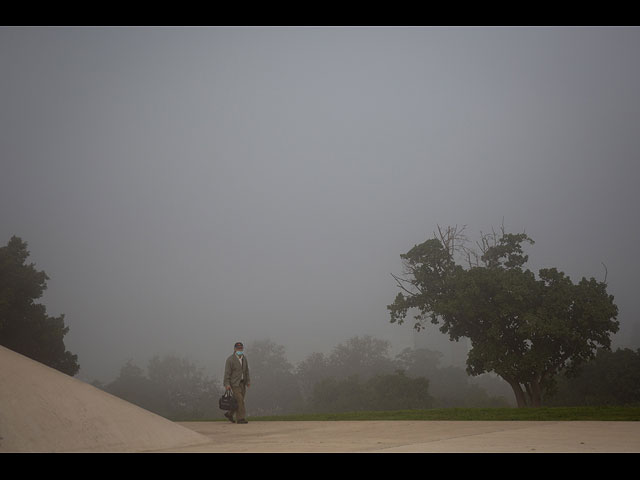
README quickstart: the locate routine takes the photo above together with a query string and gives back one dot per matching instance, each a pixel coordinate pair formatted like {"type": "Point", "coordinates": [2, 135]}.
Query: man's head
{"type": "Point", "coordinates": [238, 348]}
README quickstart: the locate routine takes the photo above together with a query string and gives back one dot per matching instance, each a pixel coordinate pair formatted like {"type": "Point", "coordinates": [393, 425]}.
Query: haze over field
{"type": "Point", "coordinates": [185, 188]}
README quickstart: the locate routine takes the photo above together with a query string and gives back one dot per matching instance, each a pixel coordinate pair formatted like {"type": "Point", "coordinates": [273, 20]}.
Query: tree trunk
{"type": "Point", "coordinates": [535, 393]}
{"type": "Point", "coordinates": [521, 399]}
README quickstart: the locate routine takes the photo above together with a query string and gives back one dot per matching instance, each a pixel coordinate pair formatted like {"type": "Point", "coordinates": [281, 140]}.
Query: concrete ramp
{"type": "Point", "coordinates": [44, 410]}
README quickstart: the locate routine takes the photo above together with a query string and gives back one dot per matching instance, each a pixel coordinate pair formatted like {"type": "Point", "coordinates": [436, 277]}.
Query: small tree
{"type": "Point", "coordinates": [390, 391]}
{"type": "Point", "coordinates": [450, 386]}
{"type": "Point", "coordinates": [184, 389]}
{"type": "Point", "coordinates": [524, 329]}
{"type": "Point", "coordinates": [397, 392]}
{"type": "Point", "coordinates": [363, 356]}
{"type": "Point", "coordinates": [274, 389]}
{"type": "Point", "coordinates": [133, 386]}
{"type": "Point", "coordinates": [25, 326]}
{"type": "Point", "coordinates": [611, 378]}
{"type": "Point", "coordinates": [310, 371]}
{"type": "Point", "coordinates": [174, 388]}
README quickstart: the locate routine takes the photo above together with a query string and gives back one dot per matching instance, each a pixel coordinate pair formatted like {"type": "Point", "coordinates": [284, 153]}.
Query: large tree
{"type": "Point", "coordinates": [25, 326]}
{"type": "Point", "coordinates": [523, 328]}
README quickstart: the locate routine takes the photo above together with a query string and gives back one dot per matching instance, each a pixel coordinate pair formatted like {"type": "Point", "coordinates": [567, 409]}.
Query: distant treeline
{"type": "Point", "coordinates": [357, 375]}
{"type": "Point", "coordinates": [612, 378]}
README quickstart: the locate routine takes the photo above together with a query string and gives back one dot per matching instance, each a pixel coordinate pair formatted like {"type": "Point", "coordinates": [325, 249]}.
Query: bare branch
{"type": "Point", "coordinates": [399, 282]}
{"type": "Point", "coordinates": [453, 239]}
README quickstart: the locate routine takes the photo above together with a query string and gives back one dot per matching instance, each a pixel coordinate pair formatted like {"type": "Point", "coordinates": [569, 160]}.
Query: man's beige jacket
{"type": "Point", "coordinates": [235, 372]}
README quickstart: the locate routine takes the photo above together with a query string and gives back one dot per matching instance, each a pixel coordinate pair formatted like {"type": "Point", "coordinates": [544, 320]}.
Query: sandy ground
{"type": "Point", "coordinates": [417, 437]}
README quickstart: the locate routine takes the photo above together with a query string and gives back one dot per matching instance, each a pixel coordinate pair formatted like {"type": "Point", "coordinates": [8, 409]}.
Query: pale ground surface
{"type": "Point", "coordinates": [43, 410]}
{"type": "Point", "coordinates": [419, 437]}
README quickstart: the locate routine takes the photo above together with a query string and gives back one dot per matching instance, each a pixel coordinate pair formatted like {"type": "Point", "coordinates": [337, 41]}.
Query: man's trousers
{"type": "Point", "coordinates": [239, 393]}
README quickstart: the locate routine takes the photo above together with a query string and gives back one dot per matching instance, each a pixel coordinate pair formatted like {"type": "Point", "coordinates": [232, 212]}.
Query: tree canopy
{"type": "Point", "coordinates": [25, 326]}
{"type": "Point", "coordinates": [523, 328]}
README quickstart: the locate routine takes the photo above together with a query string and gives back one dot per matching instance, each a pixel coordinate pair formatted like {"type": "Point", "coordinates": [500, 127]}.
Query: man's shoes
{"type": "Point", "coordinates": [229, 416]}
{"type": "Point", "coordinates": [242, 420]}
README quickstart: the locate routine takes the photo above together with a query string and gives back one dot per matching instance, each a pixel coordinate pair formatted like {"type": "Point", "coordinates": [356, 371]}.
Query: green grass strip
{"type": "Point", "coordinates": [473, 414]}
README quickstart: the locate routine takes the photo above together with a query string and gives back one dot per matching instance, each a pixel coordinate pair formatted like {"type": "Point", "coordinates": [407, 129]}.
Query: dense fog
{"type": "Point", "coordinates": [187, 188]}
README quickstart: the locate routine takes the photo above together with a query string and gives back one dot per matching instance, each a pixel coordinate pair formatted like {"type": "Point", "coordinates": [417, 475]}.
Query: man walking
{"type": "Point", "coordinates": [236, 379]}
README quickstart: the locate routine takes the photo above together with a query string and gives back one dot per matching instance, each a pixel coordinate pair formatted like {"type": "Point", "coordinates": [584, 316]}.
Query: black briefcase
{"type": "Point", "coordinates": [228, 401]}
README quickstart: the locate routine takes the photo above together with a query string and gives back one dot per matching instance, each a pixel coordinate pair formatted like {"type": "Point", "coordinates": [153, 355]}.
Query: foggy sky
{"type": "Point", "coordinates": [185, 188]}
